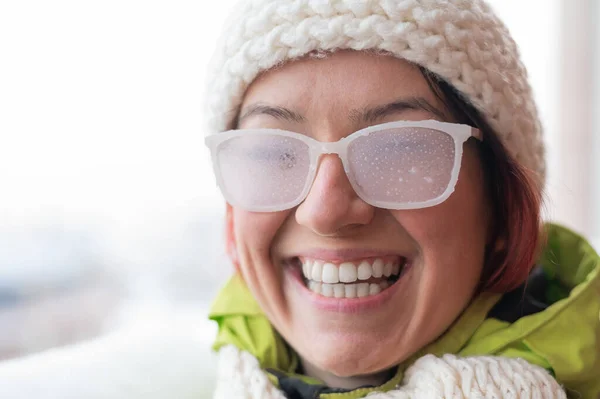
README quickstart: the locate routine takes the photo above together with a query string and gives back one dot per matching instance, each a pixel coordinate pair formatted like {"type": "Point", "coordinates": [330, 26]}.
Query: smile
{"type": "Point", "coordinates": [355, 279]}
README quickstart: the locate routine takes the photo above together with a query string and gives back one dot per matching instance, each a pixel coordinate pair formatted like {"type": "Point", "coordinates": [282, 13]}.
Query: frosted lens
{"type": "Point", "coordinates": [402, 165]}
{"type": "Point", "coordinates": [263, 170]}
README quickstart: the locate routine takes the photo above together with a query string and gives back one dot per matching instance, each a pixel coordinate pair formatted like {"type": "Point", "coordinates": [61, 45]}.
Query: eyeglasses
{"type": "Point", "coordinates": [396, 165]}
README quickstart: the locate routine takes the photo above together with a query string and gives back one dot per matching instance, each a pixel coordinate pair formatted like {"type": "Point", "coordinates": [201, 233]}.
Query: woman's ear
{"type": "Point", "coordinates": [230, 245]}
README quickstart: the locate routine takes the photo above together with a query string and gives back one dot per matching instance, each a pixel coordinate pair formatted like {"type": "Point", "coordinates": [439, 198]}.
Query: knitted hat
{"type": "Point", "coordinates": [462, 41]}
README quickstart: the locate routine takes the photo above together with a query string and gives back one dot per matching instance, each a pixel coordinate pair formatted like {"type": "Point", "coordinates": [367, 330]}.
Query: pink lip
{"type": "Point", "coordinates": [349, 254]}
{"type": "Point", "coordinates": [342, 305]}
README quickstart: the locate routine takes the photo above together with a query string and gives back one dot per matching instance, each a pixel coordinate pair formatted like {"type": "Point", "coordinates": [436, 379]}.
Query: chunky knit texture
{"type": "Point", "coordinates": [240, 376]}
{"type": "Point", "coordinates": [462, 41]}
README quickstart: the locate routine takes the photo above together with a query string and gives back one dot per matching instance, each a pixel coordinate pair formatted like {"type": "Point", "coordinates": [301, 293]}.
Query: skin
{"type": "Point", "coordinates": [445, 243]}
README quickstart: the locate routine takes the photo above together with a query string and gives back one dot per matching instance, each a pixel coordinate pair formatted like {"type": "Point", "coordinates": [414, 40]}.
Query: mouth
{"type": "Point", "coordinates": [350, 279]}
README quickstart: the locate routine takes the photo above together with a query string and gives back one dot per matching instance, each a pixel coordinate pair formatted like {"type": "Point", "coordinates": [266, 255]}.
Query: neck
{"type": "Point", "coordinates": [334, 381]}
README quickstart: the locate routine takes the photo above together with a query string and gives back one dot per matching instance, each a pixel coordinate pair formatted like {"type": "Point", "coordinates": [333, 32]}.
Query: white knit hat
{"type": "Point", "coordinates": [462, 41]}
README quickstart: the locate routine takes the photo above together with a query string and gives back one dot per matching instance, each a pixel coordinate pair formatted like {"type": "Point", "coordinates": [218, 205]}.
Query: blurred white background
{"type": "Point", "coordinates": [109, 213]}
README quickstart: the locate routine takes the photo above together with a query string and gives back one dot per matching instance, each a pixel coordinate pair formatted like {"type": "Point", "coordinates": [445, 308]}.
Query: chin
{"type": "Point", "coordinates": [347, 361]}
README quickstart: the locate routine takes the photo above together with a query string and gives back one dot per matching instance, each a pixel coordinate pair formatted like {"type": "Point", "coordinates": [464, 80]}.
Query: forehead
{"type": "Point", "coordinates": [332, 87]}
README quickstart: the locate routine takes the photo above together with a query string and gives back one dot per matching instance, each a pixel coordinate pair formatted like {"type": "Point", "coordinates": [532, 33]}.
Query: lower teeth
{"type": "Point", "coordinates": [359, 290]}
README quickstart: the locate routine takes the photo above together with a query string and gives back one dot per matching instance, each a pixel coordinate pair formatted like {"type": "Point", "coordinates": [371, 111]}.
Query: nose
{"type": "Point", "coordinates": [332, 206]}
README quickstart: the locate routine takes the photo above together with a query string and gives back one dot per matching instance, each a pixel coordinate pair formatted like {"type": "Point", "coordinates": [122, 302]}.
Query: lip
{"type": "Point", "coordinates": [342, 305]}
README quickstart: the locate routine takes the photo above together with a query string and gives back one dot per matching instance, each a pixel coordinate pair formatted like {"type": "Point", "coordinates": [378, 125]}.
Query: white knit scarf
{"type": "Point", "coordinates": [240, 376]}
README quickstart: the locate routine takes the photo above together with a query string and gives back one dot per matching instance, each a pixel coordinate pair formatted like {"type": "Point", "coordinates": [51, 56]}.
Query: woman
{"type": "Point", "coordinates": [383, 167]}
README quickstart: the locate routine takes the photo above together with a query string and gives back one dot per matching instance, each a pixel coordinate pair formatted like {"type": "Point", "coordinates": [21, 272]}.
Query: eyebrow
{"type": "Point", "coordinates": [373, 114]}
{"type": "Point", "coordinates": [281, 113]}
{"type": "Point", "coordinates": [367, 115]}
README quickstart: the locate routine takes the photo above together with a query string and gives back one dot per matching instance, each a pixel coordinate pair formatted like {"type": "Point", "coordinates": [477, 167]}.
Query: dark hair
{"type": "Point", "coordinates": [514, 192]}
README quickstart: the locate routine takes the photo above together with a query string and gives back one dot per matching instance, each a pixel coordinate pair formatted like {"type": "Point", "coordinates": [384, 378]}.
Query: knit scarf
{"type": "Point", "coordinates": [240, 376]}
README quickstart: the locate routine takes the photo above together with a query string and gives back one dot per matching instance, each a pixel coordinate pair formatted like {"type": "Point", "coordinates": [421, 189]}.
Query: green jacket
{"type": "Point", "coordinates": [564, 337]}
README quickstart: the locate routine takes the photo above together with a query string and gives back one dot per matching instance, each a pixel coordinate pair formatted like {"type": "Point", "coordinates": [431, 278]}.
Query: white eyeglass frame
{"type": "Point", "coordinates": [459, 132]}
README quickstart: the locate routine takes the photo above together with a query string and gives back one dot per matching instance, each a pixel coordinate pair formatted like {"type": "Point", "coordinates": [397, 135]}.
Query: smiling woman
{"type": "Point", "coordinates": [383, 166]}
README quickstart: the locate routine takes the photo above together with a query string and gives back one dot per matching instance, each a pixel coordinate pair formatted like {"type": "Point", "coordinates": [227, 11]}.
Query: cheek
{"type": "Point", "coordinates": [452, 236]}
{"type": "Point", "coordinates": [463, 219]}
{"type": "Point", "coordinates": [254, 232]}
{"type": "Point", "coordinates": [458, 224]}
{"type": "Point", "coordinates": [451, 245]}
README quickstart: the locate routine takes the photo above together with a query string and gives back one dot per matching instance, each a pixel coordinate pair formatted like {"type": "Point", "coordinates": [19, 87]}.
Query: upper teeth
{"type": "Point", "coordinates": [347, 272]}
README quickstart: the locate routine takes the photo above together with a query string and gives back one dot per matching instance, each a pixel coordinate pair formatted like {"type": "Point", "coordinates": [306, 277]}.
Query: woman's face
{"type": "Point", "coordinates": [436, 253]}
